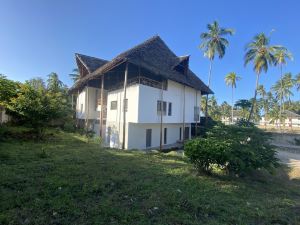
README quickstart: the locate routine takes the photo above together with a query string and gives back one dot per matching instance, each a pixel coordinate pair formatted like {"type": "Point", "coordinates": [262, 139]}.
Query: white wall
{"type": "Point", "coordinates": [137, 137]}
{"type": "Point", "coordinates": [148, 97]}
{"type": "Point", "coordinates": [4, 118]}
{"type": "Point", "coordinates": [142, 113]}
{"type": "Point", "coordinates": [93, 112]}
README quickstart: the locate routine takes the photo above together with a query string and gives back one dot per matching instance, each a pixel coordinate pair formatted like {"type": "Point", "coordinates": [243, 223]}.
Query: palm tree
{"type": "Point", "coordinates": [260, 53]}
{"type": "Point", "coordinates": [231, 80]}
{"type": "Point", "coordinates": [262, 92]}
{"type": "Point", "coordinates": [53, 82]}
{"type": "Point", "coordinates": [281, 55]}
{"type": "Point", "coordinates": [75, 75]}
{"type": "Point", "coordinates": [213, 43]}
{"type": "Point", "coordinates": [282, 88]}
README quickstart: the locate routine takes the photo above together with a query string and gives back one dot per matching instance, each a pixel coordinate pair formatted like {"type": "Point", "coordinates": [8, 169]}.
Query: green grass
{"type": "Point", "coordinates": [68, 181]}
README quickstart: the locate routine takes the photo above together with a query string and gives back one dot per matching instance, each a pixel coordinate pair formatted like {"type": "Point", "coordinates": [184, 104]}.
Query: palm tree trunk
{"type": "Point", "coordinates": [232, 104]}
{"type": "Point", "coordinates": [281, 96]}
{"type": "Point", "coordinates": [206, 101]}
{"type": "Point", "coordinates": [254, 99]}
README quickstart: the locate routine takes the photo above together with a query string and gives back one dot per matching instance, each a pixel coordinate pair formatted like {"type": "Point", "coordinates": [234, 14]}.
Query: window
{"type": "Point", "coordinates": [170, 109]}
{"type": "Point", "coordinates": [126, 104]}
{"type": "Point", "coordinates": [113, 105]}
{"type": "Point", "coordinates": [196, 113]}
{"type": "Point", "coordinates": [96, 99]}
{"type": "Point", "coordinates": [165, 135]}
{"type": "Point", "coordinates": [180, 132]}
{"type": "Point", "coordinates": [161, 107]}
{"type": "Point", "coordinates": [148, 137]}
{"type": "Point", "coordinates": [81, 108]}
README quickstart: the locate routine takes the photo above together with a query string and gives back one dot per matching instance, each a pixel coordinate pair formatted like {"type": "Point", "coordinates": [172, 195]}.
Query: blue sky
{"type": "Point", "coordinates": [38, 37]}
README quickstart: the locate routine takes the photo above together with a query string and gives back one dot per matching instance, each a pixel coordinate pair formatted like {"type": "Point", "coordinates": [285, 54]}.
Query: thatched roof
{"type": "Point", "coordinates": [90, 63]}
{"type": "Point", "coordinates": [290, 114]}
{"type": "Point", "coordinates": [155, 56]}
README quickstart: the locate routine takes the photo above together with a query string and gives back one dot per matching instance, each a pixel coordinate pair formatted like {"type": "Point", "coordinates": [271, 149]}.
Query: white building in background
{"type": "Point", "coordinates": [292, 120]}
{"type": "Point", "coordinates": [4, 118]}
{"type": "Point", "coordinates": [146, 97]}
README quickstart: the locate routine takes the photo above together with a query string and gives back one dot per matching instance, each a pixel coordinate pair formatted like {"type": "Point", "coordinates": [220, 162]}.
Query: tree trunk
{"type": "Point", "coordinates": [206, 101]}
{"type": "Point", "coordinates": [232, 104]}
{"type": "Point", "coordinates": [281, 96]}
{"type": "Point", "coordinates": [254, 100]}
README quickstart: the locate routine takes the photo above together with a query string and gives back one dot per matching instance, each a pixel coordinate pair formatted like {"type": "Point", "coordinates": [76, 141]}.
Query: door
{"type": "Point", "coordinates": [108, 135]}
{"type": "Point", "coordinates": [148, 137]}
{"type": "Point", "coordinates": [186, 133]}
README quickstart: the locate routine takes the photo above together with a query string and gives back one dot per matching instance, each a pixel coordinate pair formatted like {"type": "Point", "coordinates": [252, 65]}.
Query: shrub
{"type": "Point", "coordinates": [244, 123]}
{"type": "Point", "coordinates": [237, 150]}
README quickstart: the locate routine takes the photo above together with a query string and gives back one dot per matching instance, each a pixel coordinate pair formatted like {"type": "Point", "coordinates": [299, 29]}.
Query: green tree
{"type": "Point", "coordinates": [214, 43]}
{"type": "Point", "coordinates": [53, 83]}
{"type": "Point", "coordinates": [38, 107]}
{"type": "Point", "coordinates": [231, 80]}
{"type": "Point", "coordinates": [243, 105]}
{"type": "Point", "coordinates": [260, 53]}
{"type": "Point", "coordinates": [282, 89]}
{"type": "Point", "coordinates": [8, 89]}
{"type": "Point", "coordinates": [75, 75]}
{"type": "Point", "coordinates": [281, 55]}
{"type": "Point", "coordinates": [37, 83]}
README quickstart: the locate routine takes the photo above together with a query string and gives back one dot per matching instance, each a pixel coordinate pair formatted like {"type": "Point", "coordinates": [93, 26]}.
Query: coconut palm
{"type": "Point", "coordinates": [282, 89]}
{"type": "Point", "coordinates": [53, 82]}
{"type": "Point", "coordinates": [260, 53]}
{"type": "Point", "coordinates": [262, 92]}
{"type": "Point", "coordinates": [281, 56]}
{"type": "Point", "coordinates": [230, 80]}
{"type": "Point", "coordinates": [75, 75]}
{"type": "Point", "coordinates": [213, 43]}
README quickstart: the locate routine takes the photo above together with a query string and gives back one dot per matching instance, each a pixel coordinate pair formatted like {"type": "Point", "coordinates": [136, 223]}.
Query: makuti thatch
{"type": "Point", "coordinates": [155, 56]}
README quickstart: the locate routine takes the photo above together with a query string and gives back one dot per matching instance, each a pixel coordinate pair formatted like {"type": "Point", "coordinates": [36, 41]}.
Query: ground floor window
{"type": "Point", "coordinates": [148, 137]}
{"type": "Point", "coordinates": [186, 133]}
{"type": "Point", "coordinates": [165, 135]}
{"type": "Point", "coordinates": [180, 132]}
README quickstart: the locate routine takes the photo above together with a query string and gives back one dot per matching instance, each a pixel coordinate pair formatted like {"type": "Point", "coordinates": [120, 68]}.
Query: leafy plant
{"type": "Point", "coordinates": [236, 150]}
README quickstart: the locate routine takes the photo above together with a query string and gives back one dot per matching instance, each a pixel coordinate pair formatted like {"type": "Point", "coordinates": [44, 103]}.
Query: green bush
{"type": "Point", "coordinates": [244, 123]}
{"type": "Point", "coordinates": [237, 150]}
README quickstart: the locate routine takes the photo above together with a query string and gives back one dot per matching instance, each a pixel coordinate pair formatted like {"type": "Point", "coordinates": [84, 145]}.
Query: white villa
{"type": "Point", "coordinates": [292, 120]}
{"type": "Point", "coordinates": [146, 97]}
{"type": "Point", "coordinates": [4, 118]}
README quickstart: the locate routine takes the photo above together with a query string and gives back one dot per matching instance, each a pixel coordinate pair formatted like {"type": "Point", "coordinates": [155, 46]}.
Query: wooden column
{"type": "Point", "coordinates": [77, 105]}
{"type": "Point", "coordinates": [161, 116]}
{"type": "Point", "coordinates": [72, 101]}
{"type": "Point", "coordinates": [183, 112]}
{"type": "Point", "coordinates": [124, 111]}
{"type": "Point", "coordinates": [196, 125]}
{"type": "Point", "coordinates": [102, 108]}
{"type": "Point", "coordinates": [87, 106]}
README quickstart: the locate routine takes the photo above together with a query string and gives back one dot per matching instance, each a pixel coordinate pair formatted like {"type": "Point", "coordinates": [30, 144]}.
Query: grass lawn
{"type": "Point", "coordinates": [68, 181]}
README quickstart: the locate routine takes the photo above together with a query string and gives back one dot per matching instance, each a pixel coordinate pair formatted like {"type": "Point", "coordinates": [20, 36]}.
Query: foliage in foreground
{"type": "Point", "coordinates": [70, 181]}
{"type": "Point", "coordinates": [236, 150]}
{"type": "Point", "coordinates": [34, 104]}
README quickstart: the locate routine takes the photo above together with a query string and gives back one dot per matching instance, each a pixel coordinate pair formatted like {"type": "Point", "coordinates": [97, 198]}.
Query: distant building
{"type": "Point", "coordinates": [4, 118]}
{"type": "Point", "coordinates": [291, 120]}
{"type": "Point", "coordinates": [236, 117]}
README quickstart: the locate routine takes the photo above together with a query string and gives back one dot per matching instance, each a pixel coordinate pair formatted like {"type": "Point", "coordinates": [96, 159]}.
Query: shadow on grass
{"type": "Point", "coordinates": [80, 183]}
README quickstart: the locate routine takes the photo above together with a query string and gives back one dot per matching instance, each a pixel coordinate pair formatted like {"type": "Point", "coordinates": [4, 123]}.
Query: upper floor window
{"type": "Point", "coordinates": [196, 113]}
{"type": "Point", "coordinates": [126, 104]}
{"type": "Point", "coordinates": [161, 107]}
{"type": "Point", "coordinates": [170, 109]}
{"type": "Point", "coordinates": [113, 105]}
{"type": "Point", "coordinates": [96, 99]}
